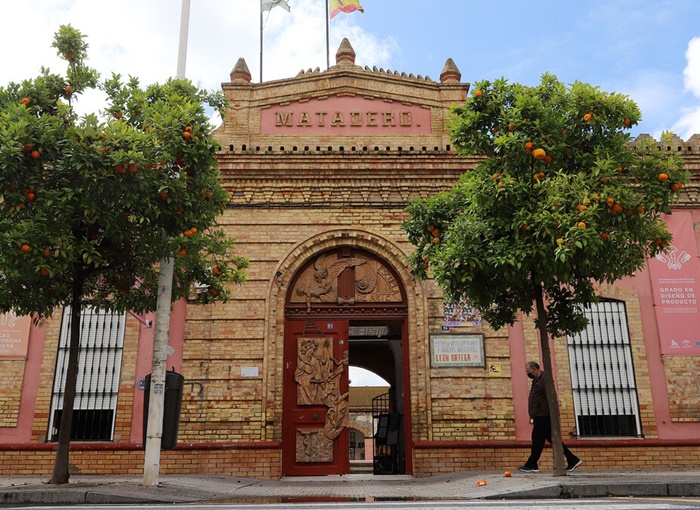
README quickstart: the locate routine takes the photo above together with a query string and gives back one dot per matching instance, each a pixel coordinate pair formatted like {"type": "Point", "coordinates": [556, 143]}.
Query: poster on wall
{"type": "Point", "coordinates": [461, 313]}
{"type": "Point", "coordinates": [14, 335]}
{"type": "Point", "coordinates": [675, 277]}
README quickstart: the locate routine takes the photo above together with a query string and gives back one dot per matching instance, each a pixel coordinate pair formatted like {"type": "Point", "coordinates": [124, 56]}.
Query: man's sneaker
{"type": "Point", "coordinates": [528, 469]}
{"type": "Point", "coordinates": [573, 466]}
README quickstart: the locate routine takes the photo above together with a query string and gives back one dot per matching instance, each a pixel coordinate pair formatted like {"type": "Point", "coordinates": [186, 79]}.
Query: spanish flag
{"type": "Point", "coordinates": [344, 6]}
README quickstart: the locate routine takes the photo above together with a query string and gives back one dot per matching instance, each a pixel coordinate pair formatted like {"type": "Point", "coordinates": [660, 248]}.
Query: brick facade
{"type": "Point", "coordinates": [297, 189]}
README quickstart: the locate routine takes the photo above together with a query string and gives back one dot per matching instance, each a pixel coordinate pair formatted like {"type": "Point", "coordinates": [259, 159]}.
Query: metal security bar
{"type": "Point", "coordinates": [602, 374]}
{"type": "Point", "coordinates": [99, 362]}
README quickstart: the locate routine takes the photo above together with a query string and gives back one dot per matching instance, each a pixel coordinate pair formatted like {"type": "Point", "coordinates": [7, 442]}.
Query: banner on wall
{"type": "Point", "coordinates": [14, 335]}
{"type": "Point", "coordinates": [675, 279]}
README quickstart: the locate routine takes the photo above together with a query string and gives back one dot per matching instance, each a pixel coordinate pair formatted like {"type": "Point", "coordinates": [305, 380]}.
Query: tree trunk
{"type": "Point", "coordinates": [552, 400]}
{"type": "Point", "coordinates": [60, 469]}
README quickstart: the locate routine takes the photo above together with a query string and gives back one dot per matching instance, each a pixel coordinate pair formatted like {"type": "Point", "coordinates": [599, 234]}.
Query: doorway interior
{"type": "Point", "coordinates": [377, 346]}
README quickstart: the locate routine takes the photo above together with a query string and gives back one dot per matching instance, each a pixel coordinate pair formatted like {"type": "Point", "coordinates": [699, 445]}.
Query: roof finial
{"type": "Point", "coordinates": [345, 54]}
{"type": "Point", "coordinates": [450, 71]}
{"type": "Point", "coordinates": [240, 71]}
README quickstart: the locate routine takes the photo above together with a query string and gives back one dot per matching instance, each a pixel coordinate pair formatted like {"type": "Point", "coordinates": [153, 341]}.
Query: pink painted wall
{"type": "Point", "coordinates": [345, 115]}
{"type": "Point", "coordinates": [144, 357]}
{"type": "Point", "coordinates": [30, 388]}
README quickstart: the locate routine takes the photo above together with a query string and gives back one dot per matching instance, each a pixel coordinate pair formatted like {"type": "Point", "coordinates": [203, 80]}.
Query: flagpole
{"type": "Point", "coordinates": [328, 51]}
{"type": "Point", "coordinates": [261, 41]}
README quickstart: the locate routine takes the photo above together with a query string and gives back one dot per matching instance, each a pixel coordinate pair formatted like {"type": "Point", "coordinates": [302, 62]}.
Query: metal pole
{"type": "Point", "coordinates": [182, 48]}
{"type": "Point", "coordinates": [328, 51]}
{"type": "Point", "coordinates": [156, 404]}
{"type": "Point", "coordinates": [261, 42]}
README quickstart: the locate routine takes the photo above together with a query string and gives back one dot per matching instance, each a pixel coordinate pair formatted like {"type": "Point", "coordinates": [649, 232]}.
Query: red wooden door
{"type": "Point", "coordinates": [315, 437]}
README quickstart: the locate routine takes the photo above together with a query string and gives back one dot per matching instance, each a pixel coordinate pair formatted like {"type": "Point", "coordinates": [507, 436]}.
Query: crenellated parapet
{"type": "Point", "coordinates": [674, 143]}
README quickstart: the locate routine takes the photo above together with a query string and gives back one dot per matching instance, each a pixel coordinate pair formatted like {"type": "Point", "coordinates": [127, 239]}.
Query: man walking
{"type": "Point", "coordinates": [538, 408]}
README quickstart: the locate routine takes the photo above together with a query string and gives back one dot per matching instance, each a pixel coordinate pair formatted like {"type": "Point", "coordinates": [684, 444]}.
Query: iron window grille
{"type": "Point", "coordinates": [99, 371]}
{"type": "Point", "coordinates": [602, 374]}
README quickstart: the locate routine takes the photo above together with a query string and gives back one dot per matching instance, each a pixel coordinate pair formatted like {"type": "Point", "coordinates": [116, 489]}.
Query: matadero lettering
{"type": "Point", "coordinates": [322, 118]}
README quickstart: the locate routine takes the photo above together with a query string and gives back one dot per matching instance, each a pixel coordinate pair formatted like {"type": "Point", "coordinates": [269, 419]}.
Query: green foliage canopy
{"type": "Point", "coordinates": [560, 201]}
{"type": "Point", "coordinates": [98, 203]}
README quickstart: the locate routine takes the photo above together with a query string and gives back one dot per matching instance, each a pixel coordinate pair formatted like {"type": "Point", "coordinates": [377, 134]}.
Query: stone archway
{"type": "Point", "coordinates": [306, 298]}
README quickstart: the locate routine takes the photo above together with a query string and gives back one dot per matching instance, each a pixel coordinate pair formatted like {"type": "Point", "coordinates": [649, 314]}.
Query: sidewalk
{"type": "Point", "coordinates": [454, 486]}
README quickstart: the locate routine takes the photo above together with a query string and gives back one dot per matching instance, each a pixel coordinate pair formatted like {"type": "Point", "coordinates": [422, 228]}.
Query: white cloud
{"type": "Point", "coordinates": [689, 123]}
{"type": "Point", "coordinates": [691, 73]}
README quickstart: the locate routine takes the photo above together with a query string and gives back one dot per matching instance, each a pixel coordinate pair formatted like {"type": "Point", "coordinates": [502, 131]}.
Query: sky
{"type": "Point", "coordinates": [646, 49]}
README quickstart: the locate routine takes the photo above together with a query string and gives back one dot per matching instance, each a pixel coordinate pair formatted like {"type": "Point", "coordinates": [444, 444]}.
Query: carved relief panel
{"type": "Point", "coordinates": [371, 282]}
{"type": "Point", "coordinates": [318, 383]}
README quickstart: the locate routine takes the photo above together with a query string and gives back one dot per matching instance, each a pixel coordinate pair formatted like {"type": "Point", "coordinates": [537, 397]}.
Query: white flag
{"type": "Point", "coordinates": [266, 5]}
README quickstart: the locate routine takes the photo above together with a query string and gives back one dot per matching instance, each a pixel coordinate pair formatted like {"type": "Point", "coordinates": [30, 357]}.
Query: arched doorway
{"type": "Point", "coordinates": [343, 305]}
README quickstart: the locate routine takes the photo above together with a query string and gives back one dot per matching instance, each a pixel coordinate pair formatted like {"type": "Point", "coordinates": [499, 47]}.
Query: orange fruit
{"type": "Point", "coordinates": [215, 270]}
{"type": "Point", "coordinates": [213, 292]}
{"type": "Point", "coordinates": [663, 177]}
{"type": "Point", "coordinates": [548, 160]}
{"type": "Point", "coordinates": [69, 55]}
{"type": "Point", "coordinates": [188, 128]}
{"type": "Point", "coordinates": [659, 241]}
{"type": "Point", "coordinates": [28, 147]}
{"type": "Point", "coordinates": [481, 483]}
{"type": "Point", "coordinates": [477, 93]}
{"type": "Point", "coordinates": [581, 207]}
{"type": "Point", "coordinates": [511, 127]}
{"type": "Point", "coordinates": [617, 208]}
{"type": "Point", "coordinates": [163, 194]}
{"type": "Point", "coordinates": [528, 146]}
{"type": "Point", "coordinates": [507, 474]}
{"type": "Point", "coordinates": [35, 154]}
{"type": "Point", "coordinates": [604, 235]}
{"type": "Point", "coordinates": [640, 209]}
{"type": "Point", "coordinates": [26, 101]}
{"type": "Point", "coordinates": [436, 240]}
{"type": "Point", "coordinates": [182, 252]}
{"type": "Point", "coordinates": [496, 176]}
{"type": "Point", "coordinates": [676, 186]}
{"type": "Point", "coordinates": [581, 224]}
{"type": "Point", "coordinates": [186, 135]}
{"type": "Point", "coordinates": [526, 226]}
{"type": "Point", "coordinates": [587, 117]}
{"type": "Point", "coordinates": [25, 248]}
{"type": "Point", "coordinates": [193, 230]}
{"type": "Point", "coordinates": [31, 197]}
{"type": "Point", "coordinates": [46, 253]}
{"type": "Point", "coordinates": [539, 153]}
{"type": "Point", "coordinates": [117, 115]}
{"type": "Point", "coordinates": [187, 233]}
{"type": "Point", "coordinates": [610, 201]}
{"type": "Point", "coordinates": [133, 169]}
{"type": "Point", "coordinates": [44, 271]}
{"type": "Point", "coordinates": [68, 90]}
{"type": "Point", "coordinates": [627, 122]}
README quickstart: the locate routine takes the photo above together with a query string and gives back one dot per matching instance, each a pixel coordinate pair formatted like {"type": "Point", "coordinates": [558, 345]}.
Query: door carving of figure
{"type": "Point", "coordinates": [315, 402]}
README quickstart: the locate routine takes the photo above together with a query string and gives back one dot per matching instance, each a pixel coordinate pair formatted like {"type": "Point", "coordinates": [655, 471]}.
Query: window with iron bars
{"type": "Point", "coordinates": [602, 374]}
{"type": "Point", "coordinates": [99, 362]}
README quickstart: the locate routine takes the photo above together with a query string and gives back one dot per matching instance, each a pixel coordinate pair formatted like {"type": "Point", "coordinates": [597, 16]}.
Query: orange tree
{"type": "Point", "coordinates": [89, 207]}
{"type": "Point", "coordinates": [560, 201]}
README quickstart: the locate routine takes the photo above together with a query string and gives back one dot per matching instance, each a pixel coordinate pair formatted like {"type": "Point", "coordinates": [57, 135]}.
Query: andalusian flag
{"type": "Point", "coordinates": [344, 6]}
{"type": "Point", "coordinates": [266, 5]}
